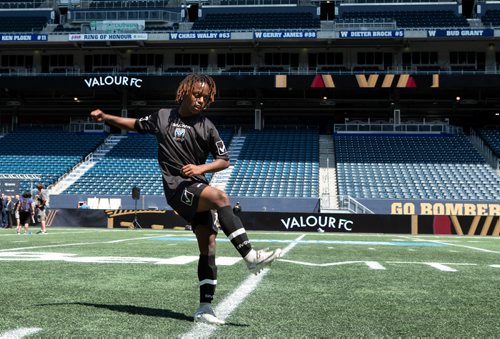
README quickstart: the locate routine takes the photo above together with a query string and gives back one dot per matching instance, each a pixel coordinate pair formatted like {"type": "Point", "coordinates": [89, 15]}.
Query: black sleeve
{"type": "Point", "coordinates": [147, 124]}
{"type": "Point", "coordinates": [217, 146]}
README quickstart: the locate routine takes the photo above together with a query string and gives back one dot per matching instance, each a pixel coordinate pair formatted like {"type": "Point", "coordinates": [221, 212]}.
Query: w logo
{"type": "Point", "coordinates": [187, 197]}
{"type": "Point", "coordinates": [403, 81]}
{"type": "Point", "coordinates": [221, 148]}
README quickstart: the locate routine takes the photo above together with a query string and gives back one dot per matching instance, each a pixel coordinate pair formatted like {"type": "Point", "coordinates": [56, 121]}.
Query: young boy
{"type": "Point", "coordinates": [185, 139]}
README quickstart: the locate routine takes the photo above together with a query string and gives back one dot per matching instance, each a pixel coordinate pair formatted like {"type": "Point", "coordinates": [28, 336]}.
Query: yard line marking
{"type": "Point", "coordinates": [231, 302]}
{"type": "Point", "coordinates": [318, 242]}
{"type": "Point", "coordinates": [441, 267]}
{"type": "Point", "coordinates": [19, 333]}
{"type": "Point", "coordinates": [464, 246]}
{"type": "Point", "coordinates": [53, 231]}
{"type": "Point", "coordinates": [374, 265]}
{"type": "Point", "coordinates": [75, 258]}
{"type": "Point", "coordinates": [444, 267]}
{"type": "Point", "coordinates": [72, 244]}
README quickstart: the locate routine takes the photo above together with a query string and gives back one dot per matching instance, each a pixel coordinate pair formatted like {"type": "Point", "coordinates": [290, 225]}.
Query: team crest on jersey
{"type": "Point", "coordinates": [180, 134]}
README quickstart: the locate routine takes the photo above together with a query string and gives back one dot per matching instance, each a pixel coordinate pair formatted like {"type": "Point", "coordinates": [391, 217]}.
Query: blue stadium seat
{"type": "Point", "coordinates": [277, 163]}
{"type": "Point", "coordinates": [413, 167]}
{"type": "Point", "coordinates": [492, 138]}
{"type": "Point", "coordinates": [49, 152]}
{"type": "Point", "coordinates": [249, 20]}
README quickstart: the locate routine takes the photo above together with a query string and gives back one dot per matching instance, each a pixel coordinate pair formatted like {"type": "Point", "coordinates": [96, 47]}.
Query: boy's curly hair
{"type": "Point", "coordinates": [186, 86]}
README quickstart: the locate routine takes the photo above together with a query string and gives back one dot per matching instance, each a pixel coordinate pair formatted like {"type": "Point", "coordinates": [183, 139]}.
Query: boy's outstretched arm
{"type": "Point", "coordinates": [120, 122]}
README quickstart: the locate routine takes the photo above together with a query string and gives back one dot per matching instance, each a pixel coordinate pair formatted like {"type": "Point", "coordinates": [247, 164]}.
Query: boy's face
{"type": "Point", "coordinates": [197, 99]}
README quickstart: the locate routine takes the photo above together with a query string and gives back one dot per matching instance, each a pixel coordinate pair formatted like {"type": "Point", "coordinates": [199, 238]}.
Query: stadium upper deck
{"type": "Point", "coordinates": [353, 59]}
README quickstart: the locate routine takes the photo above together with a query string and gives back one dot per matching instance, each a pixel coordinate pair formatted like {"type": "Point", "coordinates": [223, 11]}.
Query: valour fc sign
{"type": "Point", "coordinates": [113, 80]}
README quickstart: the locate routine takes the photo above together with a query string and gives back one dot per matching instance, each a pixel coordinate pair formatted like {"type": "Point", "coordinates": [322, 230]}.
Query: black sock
{"type": "Point", "coordinates": [233, 229]}
{"type": "Point", "coordinates": [207, 276]}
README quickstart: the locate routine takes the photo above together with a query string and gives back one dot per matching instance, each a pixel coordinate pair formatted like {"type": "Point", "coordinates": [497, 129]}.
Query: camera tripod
{"type": "Point", "coordinates": [135, 222]}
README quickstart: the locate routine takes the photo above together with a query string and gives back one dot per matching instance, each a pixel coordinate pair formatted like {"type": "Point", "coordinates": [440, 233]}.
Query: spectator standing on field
{"type": "Point", "coordinates": [41, 207]}
{"type": "Point", "coordinates": [16, 202]}
{"type": "Point", "coordinates": [3, 210]}
{"type": "Point", "coordinates": [237, 209]}
{"type": "Point", "coordinates": [26, 208]}
{"type": "Point", "coordinates": [10, 212]}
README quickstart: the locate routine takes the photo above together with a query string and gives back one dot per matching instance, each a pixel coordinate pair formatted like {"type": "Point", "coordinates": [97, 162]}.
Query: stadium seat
{"type": "Point", "coordinates": [53, 153]}
{"type": "Point", "coordinates": [277, 163]}
{"type": "Point", "coordinates": [413, 167]}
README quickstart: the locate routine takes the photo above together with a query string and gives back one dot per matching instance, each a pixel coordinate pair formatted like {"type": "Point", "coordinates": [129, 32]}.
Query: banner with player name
{"type": "Point", "coordinates": [285, 34]}
{"type": "Point", "coordinates": [108, 37]}
{"type": "Point", "coordinates": [372, 34]}
{"type": "Point", "coordinates": [200, 36]}
{"type": "Point", "coordinates": [460, 33]}
{"type": "Point", "coordinates": [23, 37]}
{"type": "Point", "coordinates": [118, 26]}
{"type": "Point", "coordinates": [9, 186]}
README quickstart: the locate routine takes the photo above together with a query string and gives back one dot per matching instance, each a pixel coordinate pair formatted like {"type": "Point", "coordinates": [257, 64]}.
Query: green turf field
{"type": "Point", "coordinates": [98, 283]}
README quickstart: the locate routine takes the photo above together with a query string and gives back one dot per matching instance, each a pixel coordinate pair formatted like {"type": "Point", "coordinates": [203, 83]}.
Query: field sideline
{"type": "Point", "coordinates": [78, 282]}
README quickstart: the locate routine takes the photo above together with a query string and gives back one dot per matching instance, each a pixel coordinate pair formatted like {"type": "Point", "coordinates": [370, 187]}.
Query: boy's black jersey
{"type": "Point", "coordinates": [181, 141]}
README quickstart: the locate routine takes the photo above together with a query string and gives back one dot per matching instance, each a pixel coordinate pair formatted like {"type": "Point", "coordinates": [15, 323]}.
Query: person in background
{"type": "Point", "coordinates": [185, 139]}
{"type": "Point", "coordinates": [10, 212]}
{"type": "Point", "coordinates": [237, 209]}
{"type": "Point", "coordinates": [84, 205]}
{"type": "Point", "coordinates": [41, 207]}
{"type": "Point", "coordinates": [26, 208]}
{"type": "Point", "coordinates": [16, 211]}
{"type": "Point", "coordinates": [3, 210]}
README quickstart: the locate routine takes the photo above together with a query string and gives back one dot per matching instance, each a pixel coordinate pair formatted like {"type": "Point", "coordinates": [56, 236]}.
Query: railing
{"type": "Point", "coordinates": [122, 4]}
{"type": "Point", "coordinates": [149, 71]}
{"type": "Point", "coordinates": [26, 4]}
{"type": "Point", "coordinates": [88, 158]}
{"type": "Point", "coordinates": [396, 2]}
{"type": "Point", "coordinates": [132, 14]}
{"type": "Point", "coordinates": [368, 23]}
{"type": "Point", "coordinates": [88, 127]}
{"type": "Point", "coordinates": [247, 2]}
{"type": "Point", "coordinates": [4, 130]}
{"type": "Point", "coordinates": [485, 151]}
{"type": "Point", "coordinates": [348, 203]}
{"type": "Point", "coordinates": [417, 127]}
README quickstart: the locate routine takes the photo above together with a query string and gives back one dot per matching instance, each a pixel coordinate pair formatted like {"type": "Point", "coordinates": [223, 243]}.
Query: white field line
{"type": "Point", "coordinates": [454, 237]}
{"type": "Point", "coordinates": [19, 333]}
{"type": "Point", "coordinates": [57, 231]}
{"type": "Point", "coordinates": [449, 243]}
{"type": "Point", "coordinates": [74, 244]}
{"type": "Point", "coordinates": [232, 301]}
{"type": "Point", "coordinates": [464, 246]}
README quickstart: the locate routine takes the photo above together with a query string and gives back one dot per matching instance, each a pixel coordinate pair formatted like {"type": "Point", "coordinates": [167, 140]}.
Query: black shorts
{"type": "Point", "coordinates": [24, 217]}
{"type": "Point", "coordinates": [185, 203]}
